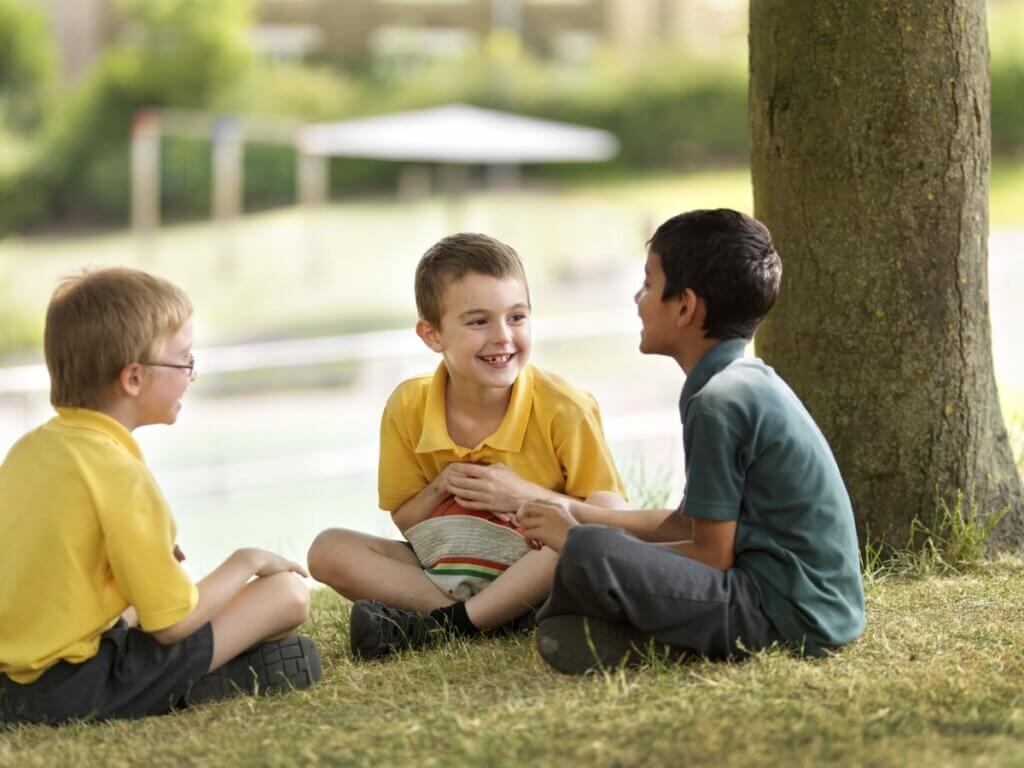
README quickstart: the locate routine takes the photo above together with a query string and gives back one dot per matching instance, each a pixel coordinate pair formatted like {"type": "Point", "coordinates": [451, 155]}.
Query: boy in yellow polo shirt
{"type": "Point", "coordinates": [97, 617]}
{"type": "Point", "coordinates": [484, 434]}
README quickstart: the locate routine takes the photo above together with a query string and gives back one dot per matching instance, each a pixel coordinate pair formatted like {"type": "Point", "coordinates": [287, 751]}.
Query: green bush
{"type": "Point", "coordinates": [177, 53]}
{"type": "Point", "coordinates": [26, 65]}
{"type": "Point", "coordinates": [673, 113]}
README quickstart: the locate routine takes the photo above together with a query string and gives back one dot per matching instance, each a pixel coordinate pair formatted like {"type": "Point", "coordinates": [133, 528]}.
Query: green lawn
{"type": "Point", "coordinates": [937, 680]}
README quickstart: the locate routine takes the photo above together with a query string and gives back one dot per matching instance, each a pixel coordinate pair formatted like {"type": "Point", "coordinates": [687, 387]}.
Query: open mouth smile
{"type": "Point", "coordinates": [498, 361]}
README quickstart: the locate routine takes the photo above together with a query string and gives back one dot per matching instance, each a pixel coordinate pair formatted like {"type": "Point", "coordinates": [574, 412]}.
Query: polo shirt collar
{"type": "Point", "coordinates": [510, 433]}
{"type": "Point", "coordinates": [713, 361]}
{"type": "Point", "coordinates": [85, 418]}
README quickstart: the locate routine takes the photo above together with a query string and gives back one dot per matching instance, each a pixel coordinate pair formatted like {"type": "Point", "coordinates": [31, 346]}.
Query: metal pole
{"type": "Point", "coordinates": [145, 176]}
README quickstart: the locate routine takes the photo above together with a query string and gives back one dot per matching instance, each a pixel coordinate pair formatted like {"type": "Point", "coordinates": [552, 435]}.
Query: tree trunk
{"type": "Point", "coordinates": [871, 152]}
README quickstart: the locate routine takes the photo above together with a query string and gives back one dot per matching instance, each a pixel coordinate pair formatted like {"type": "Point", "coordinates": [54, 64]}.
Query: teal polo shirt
{"type": "Point", "coordinates": [754, 455]}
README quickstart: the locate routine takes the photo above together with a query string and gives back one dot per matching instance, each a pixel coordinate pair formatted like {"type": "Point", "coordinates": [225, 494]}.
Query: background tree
{"type": "Point", "coordinates": [170, 53]}
{"type": "Point", "coordinates": [870, 162]}
{"type": "Point", "coordinates": [26, 65]}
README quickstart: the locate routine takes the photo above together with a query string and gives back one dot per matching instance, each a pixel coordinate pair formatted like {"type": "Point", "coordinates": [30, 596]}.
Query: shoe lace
{"type": "Point", "coordinates": [404, 629]}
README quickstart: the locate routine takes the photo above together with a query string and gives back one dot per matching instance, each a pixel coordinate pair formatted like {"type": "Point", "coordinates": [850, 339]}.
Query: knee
{"type": "Point", "coordinates": [322, 556]}
{"type": "Point", "coordinates": [326, 559]}
{"type": "Point", "coordinates": [586, 543]}
{"type": "Point", "coordinates": [584, 555]}
{"type": "Point", "coordinates": [291, 596]}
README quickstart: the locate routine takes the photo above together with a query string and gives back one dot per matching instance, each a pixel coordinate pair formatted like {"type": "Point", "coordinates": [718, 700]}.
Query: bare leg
{"type": "Point", "coordinates": [363, 567]}
{"type": "Point", "coordinates": [524, 585]}
{"type": "Point", "coordinates": [265, 607]}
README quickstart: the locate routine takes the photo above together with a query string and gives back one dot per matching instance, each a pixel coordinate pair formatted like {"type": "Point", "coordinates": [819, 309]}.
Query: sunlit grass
{"type": "Point", "coordinates": [936, 680]}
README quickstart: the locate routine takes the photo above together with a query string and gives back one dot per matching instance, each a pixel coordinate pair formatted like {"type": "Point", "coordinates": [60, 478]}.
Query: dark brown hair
{"type": "Point", "coordinates": [726, 258]}
{"type": "Point", "coordinates": [452, 258]}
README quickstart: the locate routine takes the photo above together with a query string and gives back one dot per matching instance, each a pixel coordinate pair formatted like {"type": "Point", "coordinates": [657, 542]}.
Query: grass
{"type": "Point", "coordinates": [935, 680]}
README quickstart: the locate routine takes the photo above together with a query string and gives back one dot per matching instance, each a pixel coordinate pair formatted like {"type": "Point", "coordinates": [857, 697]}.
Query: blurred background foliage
{"type": "Point", "coordinates": [64, 151]}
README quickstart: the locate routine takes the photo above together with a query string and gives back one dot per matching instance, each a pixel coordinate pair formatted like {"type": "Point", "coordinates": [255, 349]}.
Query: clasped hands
{"type": "Point", "coordinates": [544, 518]}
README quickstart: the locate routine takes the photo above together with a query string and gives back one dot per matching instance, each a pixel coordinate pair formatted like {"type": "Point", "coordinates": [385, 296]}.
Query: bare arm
{"type": "Point", "coordinates": [548, 522]}
{"type": "Point", "coordinates": [713, 543]}
{"type": "Point", "coordinates": [646, 524]}
{"type": "Point", "coordinates": [218, 588]}
{"type": "Point", "coordinates": [707, 541]}
{"type": "Point", "coordinates": [494, 488]}
{"type": "Point", "coordinates": [418, 508]}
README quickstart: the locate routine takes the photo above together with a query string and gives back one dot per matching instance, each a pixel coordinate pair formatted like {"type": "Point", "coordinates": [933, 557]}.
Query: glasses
{"type": "Point", "coordinates": [189, 367]}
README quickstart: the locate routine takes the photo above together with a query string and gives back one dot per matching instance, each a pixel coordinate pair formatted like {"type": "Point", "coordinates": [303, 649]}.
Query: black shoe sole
{"type": "Point", "coordinates": [575, 645]}
{"type": "Point", "coordinates": [275, 666]}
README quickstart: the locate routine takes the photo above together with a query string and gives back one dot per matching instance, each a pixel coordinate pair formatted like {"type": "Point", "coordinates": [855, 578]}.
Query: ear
{"type": "Point", "coordinates": [430, 335]}
{"type": "Point", "coordinates": [691, 309]}
{"type": "Point", "coordinates": [130, 379]}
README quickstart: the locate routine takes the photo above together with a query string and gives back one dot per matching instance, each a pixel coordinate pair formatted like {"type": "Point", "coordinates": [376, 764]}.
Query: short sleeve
{"type": "Point", "coordinates": [139, 534]}
{"type": "Point", "coordinates": [399, 474]}
{"type": "Point", "coordinates": [714, 474]}
{"type": "Point", "coordinates": [584, 454]}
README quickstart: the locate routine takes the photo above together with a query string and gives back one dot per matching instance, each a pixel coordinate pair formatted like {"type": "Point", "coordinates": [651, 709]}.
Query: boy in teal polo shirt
{"type": "Point", "coordinates": [763, 548]}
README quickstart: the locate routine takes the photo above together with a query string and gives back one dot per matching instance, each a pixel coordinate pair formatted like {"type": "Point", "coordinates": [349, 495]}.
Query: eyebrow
{"type": "Point", "coordinates": [468, 312]}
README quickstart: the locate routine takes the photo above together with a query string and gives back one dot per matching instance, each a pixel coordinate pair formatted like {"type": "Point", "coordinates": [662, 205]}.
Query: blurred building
{"type": "Point", "coordinates": [559, 29]}
{"type": "Point", "coordinates": [360, 30]}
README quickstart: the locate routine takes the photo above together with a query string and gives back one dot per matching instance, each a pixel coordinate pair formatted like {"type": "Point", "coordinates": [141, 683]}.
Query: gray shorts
{"type": "Point", "coordinates": [132, 675]}
{"type": "Point", "coordinates": [605, 573]}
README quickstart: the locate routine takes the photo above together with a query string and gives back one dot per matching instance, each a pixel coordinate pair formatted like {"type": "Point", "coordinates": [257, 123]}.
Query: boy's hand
{"type": "Point", "coordinates": [546, 521]}
{"type": "Point", "coordinates": [491, 487]}
{"type": "Point", "coordinates": [267, 564]}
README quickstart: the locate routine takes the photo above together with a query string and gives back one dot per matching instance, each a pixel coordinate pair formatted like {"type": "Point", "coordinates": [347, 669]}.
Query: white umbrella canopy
{"type": "Point", "coordinates": [458, 134]}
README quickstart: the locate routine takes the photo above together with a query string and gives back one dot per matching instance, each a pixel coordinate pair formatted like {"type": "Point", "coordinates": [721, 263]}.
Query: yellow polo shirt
{"type": "Point", "coordinates": [551, 435]}
{"type": "Point", "coordinates": [86, 533]}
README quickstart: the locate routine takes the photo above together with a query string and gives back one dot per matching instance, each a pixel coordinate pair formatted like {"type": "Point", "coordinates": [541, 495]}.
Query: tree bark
{"type": "Point", "coordinates": [870, 160]}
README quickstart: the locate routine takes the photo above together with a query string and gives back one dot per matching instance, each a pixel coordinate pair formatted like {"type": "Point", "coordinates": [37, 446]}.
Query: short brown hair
{"type": "Point", "coordinates": [452, 258]}
{"type": "Point", "coordinates": [99, 322]}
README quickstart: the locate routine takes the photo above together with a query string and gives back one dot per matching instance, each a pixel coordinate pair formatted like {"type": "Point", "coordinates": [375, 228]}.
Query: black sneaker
{"type": "Point", "coordinates": [275, 666]}
{"type": "Point", "coordinates": [577, 644]}
{"type": "Point", "coordinates": [375, 629]}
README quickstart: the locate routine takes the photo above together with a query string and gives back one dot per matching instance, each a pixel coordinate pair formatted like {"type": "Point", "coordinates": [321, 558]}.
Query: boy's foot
{"type": "Point", "coordinates": [375, 629]}
{"type": "Point", "coordinates": [577, 644]}
{"type": "Point", "coordinates": [272, 667]}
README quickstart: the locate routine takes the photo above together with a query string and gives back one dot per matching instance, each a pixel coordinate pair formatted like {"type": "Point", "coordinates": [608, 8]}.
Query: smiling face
{"type": "Point", "coordinates": [484, 334]}
{"type": "Point", "coordinates": [660, 332]}
{"type": "Point", "coordinates": [162, 388]}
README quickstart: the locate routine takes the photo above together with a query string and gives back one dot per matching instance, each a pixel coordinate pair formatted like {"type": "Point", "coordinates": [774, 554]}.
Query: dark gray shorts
{"type": "Point", "coordinates": [132, 675]}
{"type": "Point", "coordinates": [605, 573]}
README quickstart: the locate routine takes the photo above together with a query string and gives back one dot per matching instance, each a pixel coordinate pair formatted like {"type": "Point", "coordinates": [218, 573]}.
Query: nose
{"type": "Point", "coordinates": [500, 331]}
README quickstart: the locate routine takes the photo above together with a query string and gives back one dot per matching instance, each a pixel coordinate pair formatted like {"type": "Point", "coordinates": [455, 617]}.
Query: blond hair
{"type": "Point", "coordinates": [99, 322]}
{"type": "Point", "coordinates": [452, 258]}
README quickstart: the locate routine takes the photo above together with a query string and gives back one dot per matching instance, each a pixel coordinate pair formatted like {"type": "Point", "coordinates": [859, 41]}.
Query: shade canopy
{"type": "Point", "coordinates": [458, 133]}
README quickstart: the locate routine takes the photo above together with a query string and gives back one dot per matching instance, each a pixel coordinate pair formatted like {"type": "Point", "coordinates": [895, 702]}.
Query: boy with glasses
{"type": "Point", "coordinates": [97, 617]}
